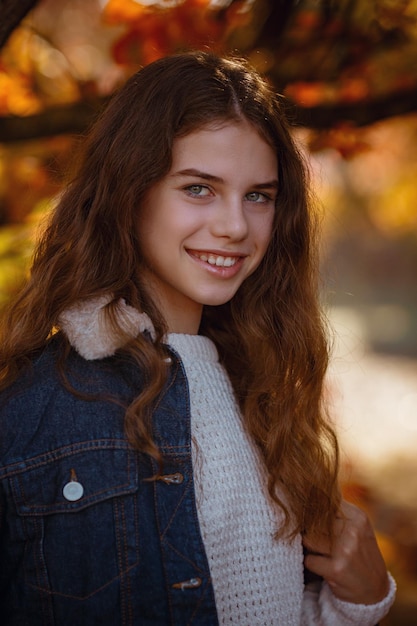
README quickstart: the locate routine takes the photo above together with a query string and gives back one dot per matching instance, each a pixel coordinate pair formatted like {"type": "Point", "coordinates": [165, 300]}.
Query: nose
{"type": "Point", "coordinates": [230, 220]}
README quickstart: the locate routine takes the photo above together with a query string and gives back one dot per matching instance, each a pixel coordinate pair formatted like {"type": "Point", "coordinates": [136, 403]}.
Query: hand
{"type": "Point", "coordinates": [352, 564]}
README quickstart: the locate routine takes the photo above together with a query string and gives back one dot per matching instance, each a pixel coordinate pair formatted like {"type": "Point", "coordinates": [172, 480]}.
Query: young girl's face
{"type": "Point", "coordinates": [205, 227]}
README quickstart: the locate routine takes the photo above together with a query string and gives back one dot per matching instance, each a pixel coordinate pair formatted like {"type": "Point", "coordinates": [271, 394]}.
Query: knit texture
{"type": "Point", "coordinates": [257, 580]}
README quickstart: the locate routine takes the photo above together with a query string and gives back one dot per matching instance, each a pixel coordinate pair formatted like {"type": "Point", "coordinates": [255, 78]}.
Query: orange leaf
{"type": "Point", "coordinates": [16, 96]}
{"type": "Point", "coordinates": [122, 11]}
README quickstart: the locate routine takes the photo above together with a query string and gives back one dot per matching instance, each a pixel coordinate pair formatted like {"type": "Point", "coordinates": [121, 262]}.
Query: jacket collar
{"type": "Point", "coordinates": [91, 332]}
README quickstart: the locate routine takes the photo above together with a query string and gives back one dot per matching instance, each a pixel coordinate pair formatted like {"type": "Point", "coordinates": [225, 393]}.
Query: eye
{"type": "Point", "coordinates": [257, 196]}
{"type": "Point", "coordinates": [197, 191]}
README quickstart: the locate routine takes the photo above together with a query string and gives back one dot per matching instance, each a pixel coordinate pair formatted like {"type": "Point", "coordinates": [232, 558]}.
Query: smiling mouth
{"type": "Point", "coordinates": [217, 259]}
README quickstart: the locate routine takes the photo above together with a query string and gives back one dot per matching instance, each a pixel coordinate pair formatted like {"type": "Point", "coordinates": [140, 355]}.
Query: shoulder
{"type": "Point", "coordinates": [54, 402]}
{"type": "Point", "coordinates": [48, 369]}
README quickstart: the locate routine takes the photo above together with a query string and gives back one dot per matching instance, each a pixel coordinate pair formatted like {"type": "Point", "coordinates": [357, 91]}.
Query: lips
{"type": "Point", "coordinates": [216, 259]}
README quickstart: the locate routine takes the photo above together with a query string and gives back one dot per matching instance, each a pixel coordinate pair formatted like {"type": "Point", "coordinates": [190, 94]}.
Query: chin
{"type": "Point", "coordinates": [216, 301]}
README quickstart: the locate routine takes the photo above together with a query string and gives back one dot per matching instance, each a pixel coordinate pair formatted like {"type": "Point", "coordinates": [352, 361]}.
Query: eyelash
{"type": "Point", "coordinates": [193, 194]}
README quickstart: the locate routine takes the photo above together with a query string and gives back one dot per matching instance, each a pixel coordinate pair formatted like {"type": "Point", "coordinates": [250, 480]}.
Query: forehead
{"type": "Point", "coordinates": [225, 146]}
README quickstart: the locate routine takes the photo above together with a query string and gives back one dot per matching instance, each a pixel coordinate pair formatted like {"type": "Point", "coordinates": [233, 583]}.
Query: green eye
{"type": "Point", "coordinates": [197, 190]}
{"type": "Point", "coordinates": [257, 196]}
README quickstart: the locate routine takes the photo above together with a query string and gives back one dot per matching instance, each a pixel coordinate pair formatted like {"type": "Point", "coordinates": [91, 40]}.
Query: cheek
{"type": "Point", "coordinates": [264, 239]}
{"type": "Point", "coordinates": [265, 232]}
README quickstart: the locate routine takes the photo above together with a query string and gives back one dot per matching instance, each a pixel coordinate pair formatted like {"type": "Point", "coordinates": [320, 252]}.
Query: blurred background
{"type": "Point", "coordinates": [349, 71]}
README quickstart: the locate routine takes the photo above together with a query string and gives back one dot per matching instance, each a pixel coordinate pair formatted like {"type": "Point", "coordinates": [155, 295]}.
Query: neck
{"type": "Point", "coordinates": [183, 323]}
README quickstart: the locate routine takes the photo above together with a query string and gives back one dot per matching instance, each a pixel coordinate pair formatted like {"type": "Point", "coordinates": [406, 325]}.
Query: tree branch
{"type": "Point", "coordinates": [76, 117]}
{"type": "Point", "coordinates": [11, 14]}
{"type": "Point", "coordinates": [364, 113]}
{"type": "Point", "coordinates": [71, 118]}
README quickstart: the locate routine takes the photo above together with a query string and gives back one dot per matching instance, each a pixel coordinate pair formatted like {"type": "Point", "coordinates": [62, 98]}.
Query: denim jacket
{"type": "Point", "coordinates": [86, 537]}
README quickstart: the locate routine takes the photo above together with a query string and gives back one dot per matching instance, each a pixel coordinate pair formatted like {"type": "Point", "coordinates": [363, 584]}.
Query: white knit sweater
{"type": "Point", "coordinates": [257, 580]}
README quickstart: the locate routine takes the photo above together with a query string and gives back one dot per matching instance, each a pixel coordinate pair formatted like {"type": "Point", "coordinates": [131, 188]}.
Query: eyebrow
{"type": "Point", "coordinates": [271, 184]}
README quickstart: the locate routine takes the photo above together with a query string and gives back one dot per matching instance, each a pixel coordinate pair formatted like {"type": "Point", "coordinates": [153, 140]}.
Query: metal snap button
{"type": "Point", "coordinates": [73, 491]}
{"type": "Point", "coordinates": [192, 583]}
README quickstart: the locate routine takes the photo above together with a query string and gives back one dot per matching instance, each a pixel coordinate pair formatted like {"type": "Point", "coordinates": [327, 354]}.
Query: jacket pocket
{"type": "Point", "coordinates": [76, 511]}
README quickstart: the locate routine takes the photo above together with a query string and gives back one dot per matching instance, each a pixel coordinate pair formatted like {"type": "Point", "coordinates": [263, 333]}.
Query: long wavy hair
{"type": "Point", "coordinates": [270, 336]}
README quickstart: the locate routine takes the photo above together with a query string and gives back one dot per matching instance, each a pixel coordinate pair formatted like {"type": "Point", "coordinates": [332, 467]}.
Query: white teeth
{"type": "Point", "coordinates": [219, 261]}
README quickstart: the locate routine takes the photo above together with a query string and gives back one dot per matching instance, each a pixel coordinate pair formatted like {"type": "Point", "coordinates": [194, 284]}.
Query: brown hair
{"type": "Point", "coordinates": [270, 336]}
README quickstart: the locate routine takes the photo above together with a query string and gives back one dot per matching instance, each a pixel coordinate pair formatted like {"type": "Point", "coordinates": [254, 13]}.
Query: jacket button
{"type": "Point", "coordinates": [172, 479]}
{"type": "Point", "coordinates": [192, 583]}
{"type": "Point", "coordinates": [73, 491]}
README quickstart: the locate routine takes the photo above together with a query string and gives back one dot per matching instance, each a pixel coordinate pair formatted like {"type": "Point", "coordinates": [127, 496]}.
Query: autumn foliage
{"type": "Point", "coordinates": [155, 32]}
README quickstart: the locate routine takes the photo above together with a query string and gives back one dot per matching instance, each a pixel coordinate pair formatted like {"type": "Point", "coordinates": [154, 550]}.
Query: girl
{"type": "Point", "coordinates": [164, 447]}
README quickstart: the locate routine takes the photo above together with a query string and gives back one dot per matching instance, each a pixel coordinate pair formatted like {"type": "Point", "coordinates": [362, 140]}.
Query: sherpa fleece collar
{"type": "Point", "coordinates": [90, 332]}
